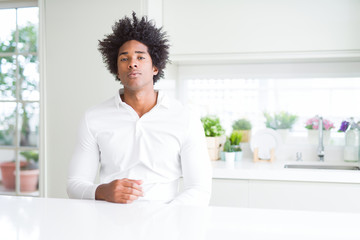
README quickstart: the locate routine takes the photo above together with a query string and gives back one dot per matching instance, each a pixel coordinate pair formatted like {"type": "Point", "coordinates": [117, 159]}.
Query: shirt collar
{"type": "Point", "coordinates": [162, 99]}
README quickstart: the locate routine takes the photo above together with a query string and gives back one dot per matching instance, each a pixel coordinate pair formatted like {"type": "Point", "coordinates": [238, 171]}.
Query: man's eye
{"type": "Point", "coordinates": [141, 58]}
{"type": "Point", "coordinates": [123, 59]}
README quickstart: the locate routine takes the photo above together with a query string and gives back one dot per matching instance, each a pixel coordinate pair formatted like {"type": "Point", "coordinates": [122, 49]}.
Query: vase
{"type": "Point", "coordinates": [230, 159]}
{"type": "Point", "coordinates": [313, 136]}
{"type": "Point", "coordinates": [283, 133]}
{"type": "Point", "coordinates": [238, 156]}
{"type": "Point", "coordinates": [246, 135]}
{"type": "Point", "coordinates": [352, 142]}
{"type": "Point", "coordinates": [214, 146]}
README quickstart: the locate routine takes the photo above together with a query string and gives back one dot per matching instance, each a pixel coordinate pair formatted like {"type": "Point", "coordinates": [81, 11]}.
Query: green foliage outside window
{"type": "Point", "coordinates": [27, 44]}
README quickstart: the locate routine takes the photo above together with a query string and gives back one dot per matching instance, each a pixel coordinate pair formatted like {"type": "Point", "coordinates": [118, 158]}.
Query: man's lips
{"type": "Point", "coordinates": [133, 74]}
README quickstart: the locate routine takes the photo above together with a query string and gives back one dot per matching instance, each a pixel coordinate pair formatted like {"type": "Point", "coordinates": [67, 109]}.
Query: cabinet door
{"type": "Point", "coordinates": [233, 26]}
{"type": "Point", "coordinates": [230, 193]}
{"type": "Point", "coordinates": [304, 196]}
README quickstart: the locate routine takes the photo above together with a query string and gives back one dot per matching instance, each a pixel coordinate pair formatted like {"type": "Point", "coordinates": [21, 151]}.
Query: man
{"type": "Point", "coordinates": [143, 140]}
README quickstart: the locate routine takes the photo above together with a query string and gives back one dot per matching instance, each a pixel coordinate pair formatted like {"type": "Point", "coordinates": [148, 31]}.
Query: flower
{"type": "Point", "coordinates": [313, 123]}
{"type": "Point", "coordinates": [344, 126]}
{"type": "Point", "coordinates": [351, 124]}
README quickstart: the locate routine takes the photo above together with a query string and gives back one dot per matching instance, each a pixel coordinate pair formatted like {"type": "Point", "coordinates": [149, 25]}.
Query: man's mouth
{"type": "Point", "coordinates": [133, 74]}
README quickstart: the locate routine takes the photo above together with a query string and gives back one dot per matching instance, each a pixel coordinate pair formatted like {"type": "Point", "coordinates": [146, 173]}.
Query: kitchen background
{"type": "Point", "coordinates": [231, 58]}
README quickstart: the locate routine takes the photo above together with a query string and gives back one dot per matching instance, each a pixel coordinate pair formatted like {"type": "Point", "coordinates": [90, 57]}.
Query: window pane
{"type": "Point", "coordinates": [29, 172]}
{"type": "Point", "coordinates": [7, 123]}
{"type": "Point", "coordinates": [7, 166]}
{"type": "Point", "coordinates": [7, 78]}
{"type": "Point", "coordinates": [29, 124]}
{"type": "Point", "coordinates": [28, 29]}
{"type": "Point", "coordinates": [335, 99]}
{"type": "Point", "coordinates": [7, 30]}
{"type": "Point", "coordinates": [29, 77]}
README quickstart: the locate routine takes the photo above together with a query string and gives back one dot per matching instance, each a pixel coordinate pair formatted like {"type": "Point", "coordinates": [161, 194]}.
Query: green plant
{"type": "Point", "coordinates": [212, 126]}
{"type": "Point", "coordinates": [242, 124]}
{"type": "Point", "coordinates": [281, 120]}
{"type": "Point", "coordinates": [235, 137]}
{"type": "Point", "coordinates": [227, 146]}
{"type": "Point", "coordinates": [30, 155]}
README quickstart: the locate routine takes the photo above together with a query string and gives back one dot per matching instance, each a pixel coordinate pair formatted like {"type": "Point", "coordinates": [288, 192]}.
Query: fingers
{"type": "Point", "coordinates": [133, 191]}
{"type": "Point", "coordinates": [124, 190]}
{"type": "Point", "coordinates": [134, 184]}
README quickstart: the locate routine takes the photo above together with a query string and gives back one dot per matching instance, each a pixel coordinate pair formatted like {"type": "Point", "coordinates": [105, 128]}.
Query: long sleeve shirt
{"type": "Point", "coordinates": [165, 144]}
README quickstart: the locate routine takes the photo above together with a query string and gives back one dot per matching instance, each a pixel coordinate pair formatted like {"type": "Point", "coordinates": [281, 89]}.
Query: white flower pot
{"type": "Point", "coordinates": [238, 156]}
{"type": "Point", "coordinates": [230, 159]}
{"type": "Point", "coordinates": [230, 156]}
{"type": "Point", "coordinates": [283, 133]}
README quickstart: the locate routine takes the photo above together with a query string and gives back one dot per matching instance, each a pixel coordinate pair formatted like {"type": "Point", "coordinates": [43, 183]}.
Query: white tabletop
{"type": "Point", "coordinates": [51, 219]}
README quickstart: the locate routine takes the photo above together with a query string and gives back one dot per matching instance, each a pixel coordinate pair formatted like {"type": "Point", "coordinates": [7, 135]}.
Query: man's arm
{"type": "Point", "coordinates": [83, 165]}
{"type": "Point", "coordinates": [83, 169]}
{"type": "Point", "coordinates": [196, 167]}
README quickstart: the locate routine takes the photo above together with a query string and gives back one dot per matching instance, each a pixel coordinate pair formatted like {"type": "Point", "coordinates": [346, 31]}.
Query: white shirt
{"type": "Point", "coordinates": [166, 143]}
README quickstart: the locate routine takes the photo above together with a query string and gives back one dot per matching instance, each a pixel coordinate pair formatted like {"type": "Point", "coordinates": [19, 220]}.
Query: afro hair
{"type": "Point", "coordinates": [141, 30]}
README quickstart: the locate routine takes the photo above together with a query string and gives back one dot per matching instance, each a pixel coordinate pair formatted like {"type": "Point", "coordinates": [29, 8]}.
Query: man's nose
{"type": "Point", "coordinates": [133, 64]}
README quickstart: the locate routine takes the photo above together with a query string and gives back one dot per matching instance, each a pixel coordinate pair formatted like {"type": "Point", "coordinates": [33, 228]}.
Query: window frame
{"type": "Point", "coordinates": [16, 148]}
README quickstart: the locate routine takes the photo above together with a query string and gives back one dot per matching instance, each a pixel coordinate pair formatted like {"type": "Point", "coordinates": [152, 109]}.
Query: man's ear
{"type": "Point", "coordinates": [155, 70]}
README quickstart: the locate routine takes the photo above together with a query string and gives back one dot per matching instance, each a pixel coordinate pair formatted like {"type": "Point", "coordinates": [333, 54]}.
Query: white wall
{"type": "Point", "coordinates": [75, 77]}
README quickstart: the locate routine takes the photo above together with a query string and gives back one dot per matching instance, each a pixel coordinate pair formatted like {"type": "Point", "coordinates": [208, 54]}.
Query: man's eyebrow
{"type": "Point", "coordinates": [124, 53]}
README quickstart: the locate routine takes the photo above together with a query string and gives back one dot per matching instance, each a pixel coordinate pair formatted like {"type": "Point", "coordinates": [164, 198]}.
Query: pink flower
{"type": "Point", "coordinates": [313, 123]}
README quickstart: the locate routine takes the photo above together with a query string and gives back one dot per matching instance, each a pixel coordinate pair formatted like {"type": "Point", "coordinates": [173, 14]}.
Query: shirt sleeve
{"type": "Point", "coordinates": [196, 167]}
{"type": "Point", "coordinates": [83, 165]}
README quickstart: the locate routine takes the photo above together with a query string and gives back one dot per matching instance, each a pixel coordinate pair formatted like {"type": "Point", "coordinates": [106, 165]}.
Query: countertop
{"type": "Point", "coordinates": [246, 169]}
{"type": "Point", "coordinates": [45, 218]}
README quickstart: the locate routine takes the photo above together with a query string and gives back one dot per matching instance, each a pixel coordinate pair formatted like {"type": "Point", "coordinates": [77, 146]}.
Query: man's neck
{"type": "Point", "coordinates": [141, 101]}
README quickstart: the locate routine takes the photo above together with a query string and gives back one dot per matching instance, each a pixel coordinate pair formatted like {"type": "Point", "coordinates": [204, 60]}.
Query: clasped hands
{"type": "Point", "coordinates": [120, 191]}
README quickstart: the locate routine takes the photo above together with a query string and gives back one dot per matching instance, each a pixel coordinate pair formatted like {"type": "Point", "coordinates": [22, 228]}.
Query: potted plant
{"type": "Point", "coordinates": [8, 173]}
{"type": "Point", "coordinates": [244, 126]}
{"type": "Point", "coordinates": [235, 139]}
{"type": "Point", "coordinates": [215, 137]}
{"type": "Point", "coordinates": [282, 122]}
{"type": "Point", "coordinates": [229, 152]}
{"type": "Point", "coordinates": [312, 126]}
{"type": "Point", "coordinates": [29, 172]}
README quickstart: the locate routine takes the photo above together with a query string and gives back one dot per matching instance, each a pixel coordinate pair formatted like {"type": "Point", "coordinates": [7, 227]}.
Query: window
{"type": "Point", "coordinates": [304, 88]}
{"type": "Point", "coordinates": [19, 100]}
{"type": "Point", "coordinates": [332, 98]}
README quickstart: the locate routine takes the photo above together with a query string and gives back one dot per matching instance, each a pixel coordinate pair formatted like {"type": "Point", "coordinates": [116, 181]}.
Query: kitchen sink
{"type": "Point", "coordinates": [329, 167]}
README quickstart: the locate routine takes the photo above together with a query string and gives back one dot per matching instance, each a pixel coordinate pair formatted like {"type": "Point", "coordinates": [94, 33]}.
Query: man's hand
{"type": "Point", "coordinates": [120, 191]}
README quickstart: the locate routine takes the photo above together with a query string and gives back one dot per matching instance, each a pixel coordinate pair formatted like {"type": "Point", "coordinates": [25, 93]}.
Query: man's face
{"type": "Point", "coordinates": [135, 67]}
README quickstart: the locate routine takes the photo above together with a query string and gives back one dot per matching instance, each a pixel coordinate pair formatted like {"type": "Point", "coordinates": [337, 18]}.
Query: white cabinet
{"type": "Point", "coordinates": [304, 195]}
{"type": "Point", "coordinates": [229, 192]}
{"type": "Point", "coordinates": [258, 26]}
{"type": "Point", "coordinates": [292, 195]}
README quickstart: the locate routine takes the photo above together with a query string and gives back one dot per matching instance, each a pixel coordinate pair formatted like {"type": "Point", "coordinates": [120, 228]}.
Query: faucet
{"type": "Point", "coordinates": [320, 151]}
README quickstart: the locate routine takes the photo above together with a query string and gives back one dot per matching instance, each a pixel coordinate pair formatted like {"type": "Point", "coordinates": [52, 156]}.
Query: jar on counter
{"type": "Point", "coordinates": [352, 144]}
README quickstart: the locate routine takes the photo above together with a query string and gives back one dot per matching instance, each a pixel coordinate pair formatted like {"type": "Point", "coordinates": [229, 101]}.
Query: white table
{"type": "Point", "coordinates": [51, 219]}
